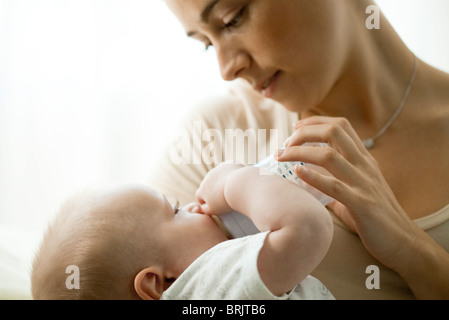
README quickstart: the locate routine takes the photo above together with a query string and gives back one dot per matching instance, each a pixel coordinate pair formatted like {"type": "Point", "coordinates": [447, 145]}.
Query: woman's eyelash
{"type": "Point", "coordinates": [233, 23]}
{"type": "Point", "coordinates": [236, 20]}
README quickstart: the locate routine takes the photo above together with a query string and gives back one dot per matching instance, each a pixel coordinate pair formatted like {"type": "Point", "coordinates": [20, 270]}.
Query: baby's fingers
{"type": "Point", "coordinates": [205, 209]}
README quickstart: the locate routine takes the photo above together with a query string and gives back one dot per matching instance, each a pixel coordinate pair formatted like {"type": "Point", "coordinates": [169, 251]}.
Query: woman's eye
{"type": "Point", "coordinates": [236, 21]}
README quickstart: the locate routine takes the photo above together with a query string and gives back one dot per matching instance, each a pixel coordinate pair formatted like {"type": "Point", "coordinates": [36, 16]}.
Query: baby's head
{"type": "Point", "coordinates": [127, 243]}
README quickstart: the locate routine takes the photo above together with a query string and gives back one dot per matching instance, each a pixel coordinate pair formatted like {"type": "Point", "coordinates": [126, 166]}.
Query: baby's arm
{"type": "Point", "coordinates": [301, 227]}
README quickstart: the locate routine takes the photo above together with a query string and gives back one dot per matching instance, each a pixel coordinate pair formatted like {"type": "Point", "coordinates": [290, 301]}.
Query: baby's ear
{"type": "Point", "coordinates": [149, 283]}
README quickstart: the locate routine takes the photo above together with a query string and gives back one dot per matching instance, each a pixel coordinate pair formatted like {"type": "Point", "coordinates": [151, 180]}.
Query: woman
{"type": "Point", "coordinates": [346, 83]}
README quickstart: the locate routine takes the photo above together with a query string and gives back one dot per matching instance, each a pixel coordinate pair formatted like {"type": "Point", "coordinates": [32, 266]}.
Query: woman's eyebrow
{"type": "Point", "coordinates": [205, 14]}
{"type": "Point", "coordinates": [208, 10]}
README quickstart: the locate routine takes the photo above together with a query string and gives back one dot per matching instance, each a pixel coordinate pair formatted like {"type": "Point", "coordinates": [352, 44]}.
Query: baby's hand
{"type": "Point", "coordinates": [210, 194]}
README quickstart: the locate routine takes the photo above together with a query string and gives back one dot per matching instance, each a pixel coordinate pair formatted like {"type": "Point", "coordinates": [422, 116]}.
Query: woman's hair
{"type": "Point", "coordinates": [98, 244]}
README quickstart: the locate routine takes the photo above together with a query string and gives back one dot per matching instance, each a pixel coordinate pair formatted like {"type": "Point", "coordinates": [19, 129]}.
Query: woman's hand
{"type": "Point", "coordinates": [210, 194]}
{"type": "Point", "coordinates": [365, 202]}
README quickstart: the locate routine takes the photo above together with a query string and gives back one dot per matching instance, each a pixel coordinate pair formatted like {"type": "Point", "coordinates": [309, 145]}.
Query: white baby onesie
{"type": "Point", "coordinates": [229, 271]}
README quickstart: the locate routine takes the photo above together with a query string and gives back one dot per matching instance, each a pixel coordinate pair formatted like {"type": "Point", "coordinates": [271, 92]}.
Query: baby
{"type": "Point", "coordinates": [131, 243]}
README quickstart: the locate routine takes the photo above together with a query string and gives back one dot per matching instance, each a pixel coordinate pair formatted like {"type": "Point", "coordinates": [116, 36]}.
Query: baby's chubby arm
{"type": "Point", "coordinates": [301, 227]}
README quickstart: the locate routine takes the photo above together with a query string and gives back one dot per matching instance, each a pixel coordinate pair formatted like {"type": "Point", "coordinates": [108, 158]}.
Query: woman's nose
{"type": "Point", "coordinates": [232, 63]}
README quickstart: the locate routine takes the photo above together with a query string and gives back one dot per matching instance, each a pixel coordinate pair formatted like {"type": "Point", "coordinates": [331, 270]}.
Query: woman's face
{"type": "Point", "coordinates": [288, 50]}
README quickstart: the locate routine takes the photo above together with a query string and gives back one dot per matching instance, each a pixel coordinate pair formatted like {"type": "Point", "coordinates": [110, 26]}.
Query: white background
{"type": "Point", "coordinates": [90, 90]}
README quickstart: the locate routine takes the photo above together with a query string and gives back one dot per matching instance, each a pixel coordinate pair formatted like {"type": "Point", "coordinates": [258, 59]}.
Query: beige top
{"type": "Point", "coordinates": [343, 271]}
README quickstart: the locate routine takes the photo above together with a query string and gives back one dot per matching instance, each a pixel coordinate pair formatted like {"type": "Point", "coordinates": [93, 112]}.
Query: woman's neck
{"type": "Point", "coordinates": [374, 78]}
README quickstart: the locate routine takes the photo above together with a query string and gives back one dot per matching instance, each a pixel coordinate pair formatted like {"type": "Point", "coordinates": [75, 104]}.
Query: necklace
{"type": "Point", "coordinates": [369, 143]}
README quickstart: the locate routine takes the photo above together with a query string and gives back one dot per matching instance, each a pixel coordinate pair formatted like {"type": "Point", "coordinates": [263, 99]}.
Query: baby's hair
{"type": "Point", "coordinates": [98, 243]}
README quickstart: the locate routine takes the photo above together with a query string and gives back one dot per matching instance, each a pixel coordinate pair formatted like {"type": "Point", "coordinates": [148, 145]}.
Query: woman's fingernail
{"type": "Point", "coordinates": [301, 168]}
{"type": "Point", "coordinates": [287, 142]}
{"type": "Point", "coordinates": [279, 153]}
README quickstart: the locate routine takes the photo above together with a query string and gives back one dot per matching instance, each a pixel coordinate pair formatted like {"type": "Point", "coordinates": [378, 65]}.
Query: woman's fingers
{"type": "Point", "coordinates": [328, 130]}
{"type": "Point", "coordinates": [342, 142]}
{"type": "Point", "coordinates": [329, 185]}
{"type": "Point", "coordinates": [364, 200]}
{"type": "Point", "coordinates": [352, 167]}
{"type": "Point", "coordinates": [325, 157]}
{"type": "Point", "coordinates": [341, 122]}
{"type": "Point", "coordinates": [341, 211]}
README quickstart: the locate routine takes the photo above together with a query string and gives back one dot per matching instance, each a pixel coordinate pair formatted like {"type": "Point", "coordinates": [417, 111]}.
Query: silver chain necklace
{"type": "Point", "coordinates": [369, 143]}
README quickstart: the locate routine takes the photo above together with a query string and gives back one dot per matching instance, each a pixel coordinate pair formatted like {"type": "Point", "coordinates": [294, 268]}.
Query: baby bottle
{"type": "Point", "coordinates": [239, 225]}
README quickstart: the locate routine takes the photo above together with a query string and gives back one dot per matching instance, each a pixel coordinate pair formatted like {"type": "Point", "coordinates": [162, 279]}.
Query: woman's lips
{"type": "Point", "coordinates": [268, 87]}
